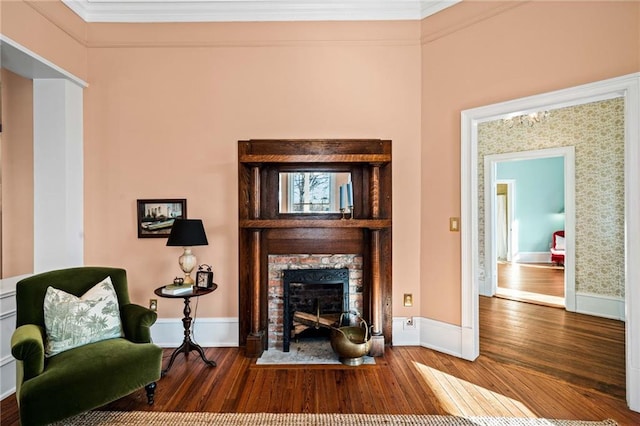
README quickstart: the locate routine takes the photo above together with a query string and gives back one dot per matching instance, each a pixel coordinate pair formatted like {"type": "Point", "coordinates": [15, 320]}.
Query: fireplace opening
{"type": "Point", "coordinates": [318, 295]}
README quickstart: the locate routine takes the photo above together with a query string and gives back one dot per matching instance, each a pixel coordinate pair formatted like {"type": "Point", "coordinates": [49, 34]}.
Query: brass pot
{"type": "Point", "coordinates": [351, 343]}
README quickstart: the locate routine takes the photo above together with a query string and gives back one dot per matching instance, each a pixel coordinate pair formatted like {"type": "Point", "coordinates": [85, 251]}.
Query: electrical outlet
{"type": "Point", "coordinates": [153, 304]}
{"type": "Point", "coordinates": [409, 323]}
{"type": "Point", "coordinates": [408, 299]}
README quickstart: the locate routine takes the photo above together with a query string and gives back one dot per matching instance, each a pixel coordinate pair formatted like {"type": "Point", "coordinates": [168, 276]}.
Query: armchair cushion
{"type": "Point", "coordinates": [72, 321]}
{"type": "Point", "coordinates": [88, 377]}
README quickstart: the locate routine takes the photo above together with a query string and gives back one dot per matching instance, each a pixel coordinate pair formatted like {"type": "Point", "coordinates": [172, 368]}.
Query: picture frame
{"type": "Point", "coordinates": [156, 216]}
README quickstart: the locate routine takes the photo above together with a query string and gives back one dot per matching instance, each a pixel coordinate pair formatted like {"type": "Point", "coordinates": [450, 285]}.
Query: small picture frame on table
{"type": "Point", "coordinates": [156, 216]}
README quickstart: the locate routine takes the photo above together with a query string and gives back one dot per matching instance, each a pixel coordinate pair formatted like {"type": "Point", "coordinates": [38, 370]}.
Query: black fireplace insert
{"type": "Point", "coordinates": [317, 292]}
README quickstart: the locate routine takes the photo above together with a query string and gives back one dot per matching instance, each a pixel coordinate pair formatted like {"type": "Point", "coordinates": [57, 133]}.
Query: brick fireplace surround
{"type": "Point", "coordinates": [279, 263]}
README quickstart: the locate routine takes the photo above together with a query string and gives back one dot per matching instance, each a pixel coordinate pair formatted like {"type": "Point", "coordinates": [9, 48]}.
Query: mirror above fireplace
{"type": "Point", "coordinates": [311, 192]}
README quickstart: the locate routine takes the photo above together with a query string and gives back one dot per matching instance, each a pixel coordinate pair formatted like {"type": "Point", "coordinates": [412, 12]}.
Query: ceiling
{"type": "Point", "coordinates": [254, 10]}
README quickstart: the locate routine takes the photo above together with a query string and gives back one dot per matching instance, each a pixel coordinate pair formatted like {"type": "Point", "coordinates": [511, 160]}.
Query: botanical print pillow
{"type": "Point", "coordinates": [72, 321]}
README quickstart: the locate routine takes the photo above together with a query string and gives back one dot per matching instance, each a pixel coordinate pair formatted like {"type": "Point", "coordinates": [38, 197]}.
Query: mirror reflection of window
{"type": "Point", "coordinates": [311, 192]}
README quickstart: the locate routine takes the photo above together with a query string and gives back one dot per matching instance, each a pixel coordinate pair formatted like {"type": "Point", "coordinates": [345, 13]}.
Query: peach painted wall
{"type": "Point", "coordinates": [17, 175]}
{"type": "Point", "coordinates": [167, 104]}
{"type": "Point", "coordinates": [480, 53]}
{"type": "Point", "coordinates": [49, 29]}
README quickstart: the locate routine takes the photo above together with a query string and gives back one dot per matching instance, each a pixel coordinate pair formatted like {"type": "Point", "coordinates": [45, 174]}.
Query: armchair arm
{"type": "Point", "coordinates": [136, 322]}
{"type": "Point", "coordinates": [27, 345]}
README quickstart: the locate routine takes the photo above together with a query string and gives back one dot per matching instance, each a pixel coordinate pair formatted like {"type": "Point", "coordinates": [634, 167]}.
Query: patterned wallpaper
{"type": "Point", "coordinates": [597, 132]}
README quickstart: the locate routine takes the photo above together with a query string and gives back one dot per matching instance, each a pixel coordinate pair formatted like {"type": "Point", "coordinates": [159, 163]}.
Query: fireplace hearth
{"type": "Point", "coordinates": [319, 292]}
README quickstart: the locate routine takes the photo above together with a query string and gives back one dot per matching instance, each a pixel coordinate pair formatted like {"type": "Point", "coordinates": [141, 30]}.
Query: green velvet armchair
{"type": "Point", "coordinates": [89, 376]}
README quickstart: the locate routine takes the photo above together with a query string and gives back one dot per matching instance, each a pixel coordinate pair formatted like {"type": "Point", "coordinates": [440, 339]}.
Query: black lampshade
{"type": "Point", "coordinates": [187, 233]}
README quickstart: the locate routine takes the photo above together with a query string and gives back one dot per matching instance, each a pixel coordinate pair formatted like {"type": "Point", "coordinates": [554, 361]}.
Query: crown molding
{"type": "Point", "coordinates": [139, 11]}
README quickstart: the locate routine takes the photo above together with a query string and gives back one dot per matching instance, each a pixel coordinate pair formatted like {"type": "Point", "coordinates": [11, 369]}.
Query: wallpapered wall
{"type": "Point", "coordinates": [597, 132]}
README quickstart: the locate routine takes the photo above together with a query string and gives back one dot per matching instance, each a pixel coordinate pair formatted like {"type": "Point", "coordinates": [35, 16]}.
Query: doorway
{"type": "Point", "coordinates": [543, 203]}
{"type": "Point", "coordinates": [626, 88]}
{"type": "Point", "coordinates": [530, 192]}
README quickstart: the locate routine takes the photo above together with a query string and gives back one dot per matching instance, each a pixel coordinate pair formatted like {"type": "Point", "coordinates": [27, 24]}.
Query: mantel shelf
{"type": "Point", "coordinates": [315, 223]}
{"type": "Point", "coordinates": [328, 158]}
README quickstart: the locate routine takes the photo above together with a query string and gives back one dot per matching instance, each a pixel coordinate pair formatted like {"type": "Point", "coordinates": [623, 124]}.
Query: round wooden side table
{"type": "Point", "coordinates": [187, 344]}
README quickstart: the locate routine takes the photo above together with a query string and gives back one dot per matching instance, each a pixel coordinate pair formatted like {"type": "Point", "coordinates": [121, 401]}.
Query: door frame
{"type": "Point", "coordinates": [511, 191]}
{"type": "Point", "coordinates": [490, 176]}
{"type": "Point", "coordinates": [627, 87]}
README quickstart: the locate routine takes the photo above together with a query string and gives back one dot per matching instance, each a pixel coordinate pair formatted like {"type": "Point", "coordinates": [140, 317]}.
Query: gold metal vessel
{"type": "Point", "coordinates": [351, 343]}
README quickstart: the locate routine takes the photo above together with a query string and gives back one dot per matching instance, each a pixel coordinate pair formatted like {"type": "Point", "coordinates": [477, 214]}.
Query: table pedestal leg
{"type": "Point", "coordinates": [187, 344]}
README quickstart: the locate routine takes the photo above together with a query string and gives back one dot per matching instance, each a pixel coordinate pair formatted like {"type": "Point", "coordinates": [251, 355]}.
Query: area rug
{"type": "Point", "coordinates": [307, 351]}
{"type": "Point", "coordinates": [142, 418]}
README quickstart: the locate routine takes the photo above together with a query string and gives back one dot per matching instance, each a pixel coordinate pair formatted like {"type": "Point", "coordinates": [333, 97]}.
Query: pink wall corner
{"type": "Point", "coordinates": [49, 29]}
{"type": "Point", "coordinates": [480, 53]}
{"type": "Point", "coordinates": [164, 121]}
{"type": "Point", "coordinates": [17, 175]}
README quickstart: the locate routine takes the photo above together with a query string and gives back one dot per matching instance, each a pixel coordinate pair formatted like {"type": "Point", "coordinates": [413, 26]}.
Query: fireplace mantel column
{"type": "Point", "coordinates": [377, 339]}
{"type": "Point", "coordinates": [375, 191]}
{"type": "Point", "coordinates": [255, 341]}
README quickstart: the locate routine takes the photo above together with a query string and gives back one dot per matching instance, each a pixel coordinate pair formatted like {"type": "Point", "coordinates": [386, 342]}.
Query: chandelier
{"type": "Point", "coordinates": [527, 119]}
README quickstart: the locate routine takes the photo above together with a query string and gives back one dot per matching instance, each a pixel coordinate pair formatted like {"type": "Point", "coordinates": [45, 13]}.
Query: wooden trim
{"type": "Point", "coordinates": [255, 281]}
{"type": "Point", "coordinates": [255, 192]}
{"type": "Point", "coordinates": [302, 223]}
{"type": "Point", "coordinates": [285, 159]}
{"type": "Point", "coordinates": [264, 230]}
{"type": "Point", "coordinates": [375, 191]}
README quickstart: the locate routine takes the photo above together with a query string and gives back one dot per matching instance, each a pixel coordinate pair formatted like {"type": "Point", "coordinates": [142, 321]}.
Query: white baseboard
{"type": "Point", "coordinates": [633, 382]}
{"type": "Point", "coordinates": [600, 306]}
{"type": "Point", "coordinates": [206, 332]}
{"type": "Point", "coordinates": [440, 336]}
{"type": "Point", "coordinates": [7, 327]}
{"type": "Point", "coordinates": [404, 335]}
{"type": "Point", "coordinates": [428, 333]}
{"type": "Point", "coordinates": [7, 376]}
{"type": "Point", "coordinates": [448, 338]}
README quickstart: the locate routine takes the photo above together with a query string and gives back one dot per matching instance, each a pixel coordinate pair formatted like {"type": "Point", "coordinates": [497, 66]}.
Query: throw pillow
{"type": "Point", "coordinates": [559, 243]}
{"type": "Point", "coordinates": [72, 321]}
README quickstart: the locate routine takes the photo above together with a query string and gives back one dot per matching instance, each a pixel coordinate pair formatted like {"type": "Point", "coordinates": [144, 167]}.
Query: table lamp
{"type": "Point", "coordinates": [187, 233]}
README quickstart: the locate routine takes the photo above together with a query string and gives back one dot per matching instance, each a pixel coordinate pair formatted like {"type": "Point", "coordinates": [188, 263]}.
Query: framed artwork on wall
{"type": "Point", "coordinates": [156, 216]}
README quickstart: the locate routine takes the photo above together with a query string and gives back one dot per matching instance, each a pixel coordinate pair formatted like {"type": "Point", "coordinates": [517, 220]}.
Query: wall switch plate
{"type": "Point", "coordinates": [153, 304]}
{"type": "Point", "coordinates": [454, 224]}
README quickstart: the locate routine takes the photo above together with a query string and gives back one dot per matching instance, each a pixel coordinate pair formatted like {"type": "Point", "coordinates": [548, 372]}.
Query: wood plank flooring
{"type": "Point", "coordinates": [535, 362]}
{"type": "Point", "coordinates": [534, 283]}
{"type": "Point", "coordinates": [532, 278]}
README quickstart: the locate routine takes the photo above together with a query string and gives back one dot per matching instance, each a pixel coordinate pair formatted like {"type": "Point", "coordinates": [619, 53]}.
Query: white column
{"type": "Point", "coordinates": [58, 174]}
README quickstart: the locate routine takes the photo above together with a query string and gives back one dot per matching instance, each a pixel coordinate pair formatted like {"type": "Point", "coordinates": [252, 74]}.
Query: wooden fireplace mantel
{"type": "Point", "coordinates": [264, 231]}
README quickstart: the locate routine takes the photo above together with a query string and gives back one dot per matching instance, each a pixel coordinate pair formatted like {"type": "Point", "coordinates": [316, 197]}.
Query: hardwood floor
{"type": "Point", "coordinates": [534, 283]}
{"type": "Point", "coordinates": [535, 362]}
